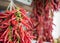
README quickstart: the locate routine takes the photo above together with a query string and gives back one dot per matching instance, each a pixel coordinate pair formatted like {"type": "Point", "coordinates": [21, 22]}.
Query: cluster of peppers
{"type": "Point", "coordinates": [42, 19]}
{"type": "Point", "coordinates": [13, 26]}
{"type": "Point", "coordinates": [16, 27]}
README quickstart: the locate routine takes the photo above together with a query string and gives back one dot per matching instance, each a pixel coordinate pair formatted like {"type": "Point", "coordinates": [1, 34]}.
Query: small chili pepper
{"type": "Point", "coordinates": [21, 32]}
{"type": "Point", "coordinates": [4, 33]}
{"type": "Point", "coordinates": [27, 38]}
{"type": "Point", "coordinates": [28, 26]}
{"type": "Point", "coordinates": [17, 34]}
{"type": "Point", "coordinates": [22, 10]}
{"type": "Point", "coordinates": [26, 17]}
{"type": "Point", "coordinates": [5, 39]}
{"type": "Point", "coordinates": [11, 42]}
{"type": "Point", "coordinates": [1, 39]}
{"type": "Point", "coordinates": [14, 22]}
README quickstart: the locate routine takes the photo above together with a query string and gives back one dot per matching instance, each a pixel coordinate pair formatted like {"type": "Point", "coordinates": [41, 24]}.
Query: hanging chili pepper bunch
{"type": "Point", "coordinates": [42, 19]}
{"type": "Point", "coordinates": [13, 26]}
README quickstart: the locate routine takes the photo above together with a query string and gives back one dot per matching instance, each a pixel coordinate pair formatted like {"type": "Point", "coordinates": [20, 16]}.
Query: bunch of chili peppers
{"type": "Point", "coordinates": [11, 27]}
{"type": "Point", "coordinates": [16, 27]}
{"type": "Point", "coordinates": [42, 19]}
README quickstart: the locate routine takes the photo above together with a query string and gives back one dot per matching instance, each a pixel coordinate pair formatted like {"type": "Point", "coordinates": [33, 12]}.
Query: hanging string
{"type": "Point", "coordinates": [11, 6]}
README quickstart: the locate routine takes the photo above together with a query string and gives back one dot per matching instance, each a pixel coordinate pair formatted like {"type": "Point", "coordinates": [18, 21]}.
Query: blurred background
{"type": "Point", "coordinates": [20, 3]}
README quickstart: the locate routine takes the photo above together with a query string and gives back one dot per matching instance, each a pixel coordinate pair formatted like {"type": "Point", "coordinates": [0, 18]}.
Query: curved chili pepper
{"type": "Point", "coordinates": [11, 41]}
{"type": "Point", "coordinates": [28, 26]}
{"type": "Point", "coordinates": [10, 12]}
{"type": "Point", "coordinates": [6, 36]}
{"type": "Point", "coordinates": [27, 38]}
{"type": "Point", "coordinates": [25, 17]}
{"type": "Point", "coordinates": [14, 22]}
{"type": "Point", "coordinates": [1, 39]}
{"type": "Point", "coordinates": [21, 33]}
{"type": "Point", "coordinates": [1, 20]}
{"type": "Point", "coordinates": [3, 15]}
{"type": "Point", "coordinates": [17, 34]}
{"type": "Point", "coordinates": [23, 11]}
{"type": "Point", "coordinates": [8, 42]}
{"type": "Point", "coordinates": [4, 33]}
{"type": "Point", "coordinates": [4, 25]}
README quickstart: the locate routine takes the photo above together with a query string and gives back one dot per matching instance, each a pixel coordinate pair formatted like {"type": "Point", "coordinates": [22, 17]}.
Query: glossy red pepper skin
{"type": "Point", "coordinates": [21, 34]}
{"type": "Point", "coordinates": [3, 15]}
{"type": "Point", "coordinates": [6, 36]}
{"type": "Point", "coordinates": [14, 22]}
{"type": "Point", "coordinates": [11, 42]}
{"type": "Point", "coordinates": [7, 30]}
{"type": "Point", "coordinates": [11, 30]}
{"type": "Point", "coordinates": [23, 11]}
{"type": "Point", "coordinates": [17, 34]}
{"type": "Point", "coordinates": [26, 17]}
{"type": "Point", "coordinates": [27, 39]}
{"type": "Point", "coordinates": [24, 23]}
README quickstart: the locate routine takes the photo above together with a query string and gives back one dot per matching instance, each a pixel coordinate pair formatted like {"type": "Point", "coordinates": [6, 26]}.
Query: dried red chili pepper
{"type": "Point", "coordinates": [4, 33]}
{"type": "Point", "coordinates": [17, 34]}
{"type": "Point", "coordinates": [9, 19]}
{"type": "Point", "coordinates": [24, 23]}
{"type": "Point", "coordinates": [23, 11]}
{"type": "Point", "coordinates": [43, 18]}
{"type": "Point", "coordinates": [6, 36]}
{"type": "Point", "coordinates": [14, 22]}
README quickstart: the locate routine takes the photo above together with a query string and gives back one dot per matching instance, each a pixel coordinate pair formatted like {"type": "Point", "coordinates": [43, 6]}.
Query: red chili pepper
{"type": "Point", "coordinates": [4, 25]}
{"type": "Point", "coordinates": [27, 39]}
{"type": "Point", "coordinates": [29, 35]}
{"type": "Point", "coordinates": [1, 20]}
{"type": "Point", "coordinates": [7, 12]}
{"type": "Point", "coordinates": [17, 34]}
{"type": "Point", "coordinates": [59, 4]}
{"type": "Point", "coordinates": [14, 22]}
{"type": "Point", "coordinates": [21, 33]}
{"type": "Point", "coordinates": [3, 16]}
{"type": "Point", "coordinates": [4, 33]}
{"type": "Point", "coordinates": [21, 30]}
{"type": "Point", "coordinates": [40, 40]}
{"type": "Point", "coordinates": [24, 23]}
{"type": "Point", "coordinates": [13, 16]}
{"type": "Point", "coordinates": [10, 12]}
{"type": "Point", "coordinates": [8, 42]}
{"type": "Point", "coordinates": [23, 11]}
{"type": "Point", "coordinates": [11, 41]}
{"type": "Point", "coordinates": [15, 41]}
{"type": "Point", "coordinates": [26, 17]}
{"type": "Point", "coordinates": [6, 36]}
{"type": "Point", "coordinates": [1, 39]}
